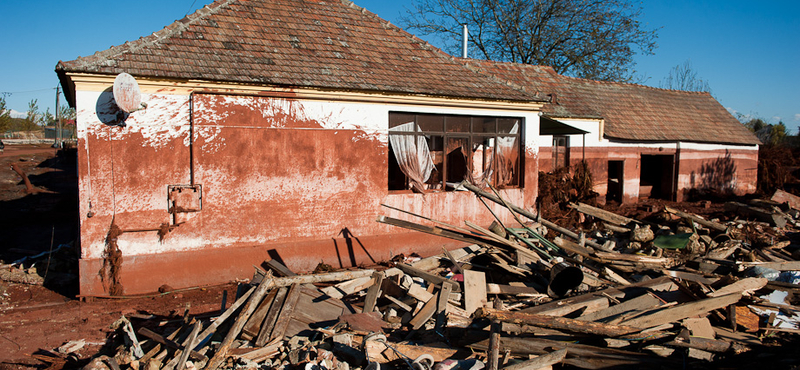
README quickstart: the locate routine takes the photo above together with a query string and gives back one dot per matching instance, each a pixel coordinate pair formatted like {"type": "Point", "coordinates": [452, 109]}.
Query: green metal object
{"type": "Point", "coordinates": [677, 241]}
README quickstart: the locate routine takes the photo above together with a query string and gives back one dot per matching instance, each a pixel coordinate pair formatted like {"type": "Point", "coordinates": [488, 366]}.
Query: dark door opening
{"type": "Point", "coordinates": [657, 176]}
{"type": "Point", "coordinates": [615, 181]}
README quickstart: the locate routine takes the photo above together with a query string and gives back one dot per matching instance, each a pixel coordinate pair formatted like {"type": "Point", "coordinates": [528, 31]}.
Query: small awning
{"type": "Point", "coordinates": [549, 126]}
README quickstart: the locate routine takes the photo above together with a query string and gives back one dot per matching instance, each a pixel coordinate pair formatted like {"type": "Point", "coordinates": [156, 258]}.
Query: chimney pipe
{"type": "Point", "coordinates": [464, 43]}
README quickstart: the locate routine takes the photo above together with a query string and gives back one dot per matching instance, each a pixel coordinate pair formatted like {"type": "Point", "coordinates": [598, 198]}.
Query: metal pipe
{"type": "Point", "coordinates": [464, 42]}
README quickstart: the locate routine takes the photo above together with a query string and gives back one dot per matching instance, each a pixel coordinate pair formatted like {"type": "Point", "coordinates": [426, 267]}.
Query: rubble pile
{"type": "Point", "coordinates": [674, 291]}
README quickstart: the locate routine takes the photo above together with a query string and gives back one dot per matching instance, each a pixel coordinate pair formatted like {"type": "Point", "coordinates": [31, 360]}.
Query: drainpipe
{"type": "Point", "coordinates": [464, 42]}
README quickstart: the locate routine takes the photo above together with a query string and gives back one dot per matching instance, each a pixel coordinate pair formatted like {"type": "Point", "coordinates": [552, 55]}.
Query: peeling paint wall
{"type": "Point", "coordinates": [303, 180]}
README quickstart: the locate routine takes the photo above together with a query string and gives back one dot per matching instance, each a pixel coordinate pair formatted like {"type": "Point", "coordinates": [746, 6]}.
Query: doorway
{"type": "Point", "coordinates": [657, 176]}
{"type": "Point", "coordinates": [615, 181]}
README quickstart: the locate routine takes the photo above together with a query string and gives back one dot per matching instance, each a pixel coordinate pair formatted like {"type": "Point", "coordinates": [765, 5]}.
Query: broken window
{"type": "Point", "coordinates": [560, 152]}
{"type": "Point", "coordinates": [436, 152]}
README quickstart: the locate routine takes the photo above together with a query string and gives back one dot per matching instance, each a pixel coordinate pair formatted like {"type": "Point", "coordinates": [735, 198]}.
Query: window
{"type": "Point", "coordinates": [431, 152]}
{"type": "Point", "coordinates": [560, 152]}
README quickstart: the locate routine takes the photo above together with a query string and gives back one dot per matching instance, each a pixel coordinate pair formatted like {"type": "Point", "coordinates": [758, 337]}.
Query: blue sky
{"type": "Point", "coordinates": [748, 52]}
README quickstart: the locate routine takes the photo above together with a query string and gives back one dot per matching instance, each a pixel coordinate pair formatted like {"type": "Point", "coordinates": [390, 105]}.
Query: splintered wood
{"type": "Point", "coordinates": [675, 289]}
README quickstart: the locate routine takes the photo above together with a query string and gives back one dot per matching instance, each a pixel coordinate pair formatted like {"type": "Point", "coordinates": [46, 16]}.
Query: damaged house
{"type": "Point", "coordinates": [279, 129]}
{"type": "Point", "coordinates": [638, 141]}
{"type": "Point", "coordinates": [282, 129]}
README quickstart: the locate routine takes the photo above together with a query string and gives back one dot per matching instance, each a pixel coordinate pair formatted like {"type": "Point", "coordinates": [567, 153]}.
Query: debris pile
{"type": "Point", "coordinates": [674, 290]}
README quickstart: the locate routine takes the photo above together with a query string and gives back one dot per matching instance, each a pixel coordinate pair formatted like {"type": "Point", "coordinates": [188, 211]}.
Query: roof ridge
{"type": "Point", "coordinates": [631, 84]}
{"type": "Point", "coordinates": [477, 68]}
{"type": "Point", "coordinates": [171, 29]}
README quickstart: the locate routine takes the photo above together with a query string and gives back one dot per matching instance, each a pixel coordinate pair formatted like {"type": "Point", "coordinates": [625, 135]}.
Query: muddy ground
{"type": "Point", "coordinates": [37, 318]}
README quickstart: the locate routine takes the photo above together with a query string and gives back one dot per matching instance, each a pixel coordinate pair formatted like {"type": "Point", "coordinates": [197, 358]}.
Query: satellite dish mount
{"type": "Point", "coordinates": [127, 94]}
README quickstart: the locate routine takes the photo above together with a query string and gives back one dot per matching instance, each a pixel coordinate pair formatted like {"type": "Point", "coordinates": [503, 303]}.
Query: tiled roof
{"type": "Point", "coordinates": [328, 44]}
{"type": "Point", "coordinates": [631, 112]}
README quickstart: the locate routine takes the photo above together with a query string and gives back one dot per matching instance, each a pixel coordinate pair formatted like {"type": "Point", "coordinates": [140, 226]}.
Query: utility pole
{"type": "Point", "coordinates": [57, 143]}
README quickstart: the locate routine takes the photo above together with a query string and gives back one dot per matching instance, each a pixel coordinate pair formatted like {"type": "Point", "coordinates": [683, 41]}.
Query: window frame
{"type": "Point", "coordinates": [475, 133]}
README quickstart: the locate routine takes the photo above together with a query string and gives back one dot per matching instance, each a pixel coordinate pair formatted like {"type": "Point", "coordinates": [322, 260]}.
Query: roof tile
{"type": "Point", "coordinates": [631, 112]}
{"type": "Point", "coordinates": [222, 41]}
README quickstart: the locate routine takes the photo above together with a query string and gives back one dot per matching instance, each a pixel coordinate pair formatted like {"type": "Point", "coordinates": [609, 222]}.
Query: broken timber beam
{"type": "Point", "coordinates": [541, 361]}
{"type": "Point", "coordinates": [759, 213]}
{"type": "Point", "coordinates": [555, 322]}
{"type": "Point", "coordinates": [709, 224]}
{"type": "Point", "coordinates": [602, 214]}
{"type": "Point", "coordinates": [431, 278]}
{"type": "Point", "coordinates": [530, 215]}
{"type": "Point", "coordinates": [682, 311]}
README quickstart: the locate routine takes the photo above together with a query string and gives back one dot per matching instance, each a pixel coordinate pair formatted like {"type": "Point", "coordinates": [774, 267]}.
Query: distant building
{"type": "Point", "coordinates": [639, 141]}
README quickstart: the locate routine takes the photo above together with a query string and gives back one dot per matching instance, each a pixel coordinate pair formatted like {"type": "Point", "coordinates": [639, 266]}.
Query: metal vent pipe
{"type": "Point", "coordinates": [464, 43]}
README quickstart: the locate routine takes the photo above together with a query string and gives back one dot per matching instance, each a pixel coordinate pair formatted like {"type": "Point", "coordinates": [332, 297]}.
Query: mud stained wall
{"type": "Point", "coordinates": [727, 170]}
{"type": "Point", "coordinates": [704, 167]}
{"type": "Point", "coordinates": [298, 180]}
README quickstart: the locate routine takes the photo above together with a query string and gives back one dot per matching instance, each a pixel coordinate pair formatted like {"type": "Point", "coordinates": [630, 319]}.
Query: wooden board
{"type": "Point", "coordinates": [682, 311]}
{"type": "Point", "coordinates": [265, 331]}
{"type": "Point", "coordinates": [474, 290]}
{"type": "Point", "coordinates": [312, 309]}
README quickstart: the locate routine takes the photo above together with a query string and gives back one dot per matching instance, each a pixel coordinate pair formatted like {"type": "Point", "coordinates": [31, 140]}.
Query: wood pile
{"type": "Point", "coordinates": [680, 292]}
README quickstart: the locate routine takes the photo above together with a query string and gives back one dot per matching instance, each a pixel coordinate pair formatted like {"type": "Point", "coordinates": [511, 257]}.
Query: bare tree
{"type": "Point", "coordinates": [5, 115]}
{"type": "Point", "coordinates": [684, 77]}
{"type": "Point", "coordinates": [593, 39]}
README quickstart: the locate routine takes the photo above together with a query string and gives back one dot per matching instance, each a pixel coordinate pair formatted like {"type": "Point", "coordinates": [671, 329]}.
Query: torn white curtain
{"type": "Point", "coordinates": [481, 166]}
{"type": "Point", "coordinates": [412, 154]}
{"type": "Point", "coordinates": [507, 157]}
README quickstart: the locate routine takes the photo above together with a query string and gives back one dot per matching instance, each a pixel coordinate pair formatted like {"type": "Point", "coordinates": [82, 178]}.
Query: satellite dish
{"type": "Point", "coordinates": [127, 94]}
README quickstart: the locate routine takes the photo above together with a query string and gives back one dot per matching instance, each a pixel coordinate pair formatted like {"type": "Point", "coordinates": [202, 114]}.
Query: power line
{"type": "Point", "coordinates": [24, 92]}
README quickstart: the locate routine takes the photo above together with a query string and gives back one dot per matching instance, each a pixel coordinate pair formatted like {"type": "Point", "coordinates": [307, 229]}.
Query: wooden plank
{"type": "Point", "coordinates": [279, 269]}
{"type": "Point", "coordinates": [474, 290]}
{"type": "Point", "coordinates": [441, 306]}
{"type": "Point", "coordinates": [453, 260]}
{"type": "Point", "coordinates": [191, 342]}
{"type": "Point", "coordinates": [287, 310]}
{"type": "Point", "coordinates": [419, 293]}
{"type": "Point", "coordinates": [581, 355]}
{"type": "Point", "coordinates": [742, 286]}
{"type": "Point", "coordinates": [221, 319]}
{"type": "Point", "coordinates": [264, 333]}
{"type": "Point", "coordinates": [597, 299]}
{"type": "Point", "coordinates": [373, 292]}
{"type": "Point", "coordinates": [253, 325]}
{"type": "Point", "coordinates": [573, 247]}
{"type": "Point", "coordinates": [758, 213]}
{"type": "Point", "coordinates": [555, 322]}
{"type": "Point", "coordinates": [431, 278]}
{"type": "Point", "coordinates": [644, 302]}
{"type": "Point", "coordinates": [709, 224]}
{"type": "Point", "coordinates": [233, 332]}
{"type": "Point", "coordinates": [516, 247]}
{"type": "Point", "coordinates": [438, 231]}
{"type": "Point", "coordinates": [314, 309]}
{"type": "Point", "coordinates": [492, 288]}
{"type": "Point", "coordinates": [168, 343]}
{"type": "Point", "coordinates": [602, 214]}
{"type": "Point", "coordinates": [424, 314]}
{"type": "Point", "coordinates": [493, 353]}
{"type": "Point", "coordinates": [349, 287]}
{"type": "Point", "coordinates": [682, 311]}
{"type": "Point", "coordinates": [319, 278]}
{"type": "Point", "coordinates": [781, 196]}
{"type": "Point", "coordinates": [530, 215]}
{"type": "Point", "coordinates": [780, 266]}
{"type": "Point", "coordinates": [539, 362]}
